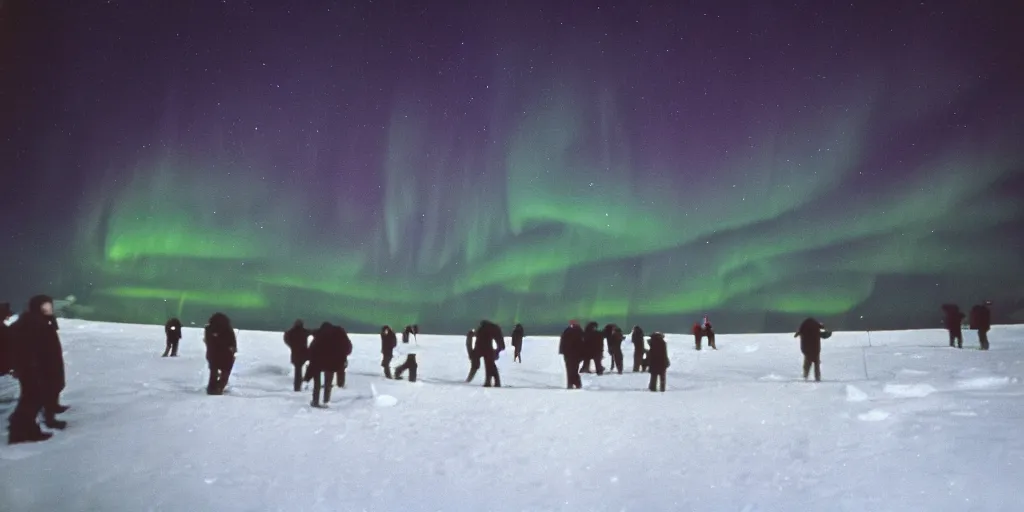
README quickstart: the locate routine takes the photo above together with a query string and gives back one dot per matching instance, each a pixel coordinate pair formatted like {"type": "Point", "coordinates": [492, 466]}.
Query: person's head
{"type": "Point", "coordinates": [41, 304]}
{"type": "Point", "coordinates": [385, 329]}
{"type": "Point", "coordinates": [298, 323]}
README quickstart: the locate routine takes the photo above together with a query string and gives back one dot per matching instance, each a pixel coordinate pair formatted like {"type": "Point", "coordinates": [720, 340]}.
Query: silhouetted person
{"type": "Point", "coordinates": [388, 342]}
{"type": "Point", "coordinates": [346, 350]}
{"type": "Point", "coordinates": [952, 320]}
{"type": "Point", "coordinates": [474, 359]}
{"type": "Point", "coordinates": [172, 331]}
{"type": "Point", "coordinates": [325, 357]}
{"type": "Point", "coordinates": [38, 364]}
{"type": "Point", "coordinates": [517, 342]}
{"type": "Point", "coordinates": [411, 364]}
{"type": "Point", "coordinates": [570, 347]}
{"type": "Point", "coordinates": [981, 321]}
{"type": "Point", "coordinates": [637, 337]}
{"type": "Point", "coordinates": [490, 342]}
{"type": "Point", "coordinates": [221, 347]}
{"type": "Point", "coordinates": [406, 333]}
{"type": "Point", "coordinates": [593, 348]}
{"type": "Point", "coordinates": [698, 335]}
{"type": "Point", "coordinates": [6, 350]}
{"type": "Point", "coordinates": [709, 331]}
{"type": "Point", "coordinates": [657, 361]}
{"type": "Point", "coordinates": [810, 334]}
{"type": "Point", "coordinates": [613, 335]}
{"type": "Point", "coordinates": [297, 339]}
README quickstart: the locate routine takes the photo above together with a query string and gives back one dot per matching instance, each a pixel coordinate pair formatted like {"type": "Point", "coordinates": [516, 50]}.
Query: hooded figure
{"type": "Point", "coordinates": [593, 348]}
{"type": "Point", "coordinates": [388, 342]}
{"type": "Point", "coordinates": [410, 364]}
{"type": "Point", "coordinates": [709, 331]}
{"type": "Point", "coordinates": [297, 338]}
{"type": "Point", "coordinates": [637, 337]}
{"type": "Point", "coordinates": [570, 347]}
{"type": "Point", "coordinates": [408, 331]}
{"type": "Point", "coordinates": [221, 348]}
{"type": "Point", "coordinates": [490, 342]}
{"type": "Point", "coordinates": [981, 321]}
{"type": "Point", "coordinates": [38, 363]}
{"type": "Point", "coordinates": [613, 335]}
{"type": "Point", "coordinates": [810, 345]}
{"type": "Point", "coordinates": [952, 320]}
{"type": "Point", "coordinates": [474, 359]}
{"type": "Point", "coordinates": [346, 350]}
{"type": "Point", "coordinates": [325, 357]}
{"type": "Point", "coordinates": [6, 364]}
{"type": "Point", "coordinates": [658, 361]}
{"type": "Point", "coordinates": [172, 331]}
{"type": "Point", "coordinates": [517, 342]}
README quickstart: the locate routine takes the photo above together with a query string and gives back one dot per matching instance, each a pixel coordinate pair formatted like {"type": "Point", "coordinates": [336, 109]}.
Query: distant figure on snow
{"type": "Point", "coordinates": [810, 333]}
{"type": "Point", "coordinates": [410, 330]}
{"type": "Point", "coordinates": [981, 321]}
{"type": "Point", "coordinates": [613, 335]}
{"type": "Point", "coordinates": [38, 362]}
{"type": "Point", "coordinates": [637, 337]}
{"type": "Point", "coordinates": [172, 331]}
{"type": "Point", "coordinates": [297, 338]}
{"type": "Point", "coordinates": [346, 350]}
{"type": "Point", "coordinates": [658, 361]}
{"type": "Point", "coordinates": [570, 347]}
{"type": "Point", "coordinates": [221, 348]}
{"type": "Point", "coordinates": [411, 364]}
{"type": "Point", "coordinates": [325, 358]}
{"type": "Point", "coordinates": [517, 342]}
{"type": "Point", "coordinates": [388, 343]}
{"type": "Point", "coordinates": [490, 342]}
{"type": "Point", "coordinates": [593, 349]}
{"type": "Point", "coordinates": [952, 320]}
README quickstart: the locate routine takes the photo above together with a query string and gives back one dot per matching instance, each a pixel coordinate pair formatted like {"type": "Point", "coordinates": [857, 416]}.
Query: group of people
{"type": "Point", "coordinates": [980, 321]}
{"type": "Point", "coordinates": [30, 349]}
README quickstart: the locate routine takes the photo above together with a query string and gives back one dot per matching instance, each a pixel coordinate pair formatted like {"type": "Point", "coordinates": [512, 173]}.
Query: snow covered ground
{"type": "Point", "coordinates": [905, 424]}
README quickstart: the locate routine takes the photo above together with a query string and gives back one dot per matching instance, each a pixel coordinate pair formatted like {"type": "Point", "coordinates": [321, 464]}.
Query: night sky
{"type": "Point", "coordinates": [442, 162]}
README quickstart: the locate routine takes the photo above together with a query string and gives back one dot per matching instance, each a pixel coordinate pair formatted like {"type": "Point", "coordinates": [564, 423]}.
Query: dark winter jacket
{"type": "Point", "coordinates": [637, 337]}
{"type": "Point", "coordinates": [297, 339]}
{"type": "Point", "coordinates": [570, 346]}
{"type": "Point", "coordinates": [38, 356]}
{"type": "Point", "coordinates": [388, 341]}
{"type": "Point", "coordinates": [330, 349]}
{"type": "Point", "coordinates": [810, 337]}
{"type": "Point", "coordinates": [981, 318]}
{"type": "Point", "coordinates": [469, 343]}
{"type": "Point", "coordinates": [408, 331]}
{"type": "Point", "coordinates": [593, 340]}
{"type": "Point", "coordinates": [657, 355]}
{"type": "Point", "coordinates": [952, 317]}
{"type": "Point", "coordinates": [172, 329]}
{"type": "Point", "coordinates": [490, 341]}
{"type": "Point", "coordinates": [614, 335]}
{"type": "Point", "coordinates": [221, 344]}
{"type": "Point", "coordinates": [517, 336]}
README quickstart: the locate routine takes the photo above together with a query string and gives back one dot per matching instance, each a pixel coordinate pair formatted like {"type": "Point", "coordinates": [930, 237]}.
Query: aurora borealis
{"type": "Point", "coordinates": [442, 162]}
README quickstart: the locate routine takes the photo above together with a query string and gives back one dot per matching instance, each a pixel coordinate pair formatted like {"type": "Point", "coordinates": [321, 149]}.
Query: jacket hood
{"type": "Point", "coordinates": [35, 304]}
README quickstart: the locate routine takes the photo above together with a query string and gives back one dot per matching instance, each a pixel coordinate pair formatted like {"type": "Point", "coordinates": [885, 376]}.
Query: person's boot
{"type": "Point", "coordinates": [327, 395]}
{"type": "Point", "coordinates": [16, 436]}
{"type": "Point", "coordinates": [61, 409]}
{"type": "Point", "coordinates": [55, 424]}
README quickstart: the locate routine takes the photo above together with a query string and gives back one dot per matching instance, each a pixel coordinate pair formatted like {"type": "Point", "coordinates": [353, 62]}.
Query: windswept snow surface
{"type": "Point", "coordinates": [905, 424]}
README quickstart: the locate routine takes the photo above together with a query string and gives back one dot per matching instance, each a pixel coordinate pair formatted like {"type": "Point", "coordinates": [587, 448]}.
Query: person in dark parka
{"type": "Point", "coordinates": [6, 359]}
{"type": "Point", "coordinates": [709, 331]}
{"type": "Point", "coordinates": [637, 337]}
{"type": "Point", "coordinates": [388, 342]}
{"type": "Point", "coordinates": [346, 350]}
{"type": "Point", "coordinates": [570, 347]}
{"type": "Point", "coordinates": [297, 338]}
{"type": "Point", "coordinates": [698, 335]}
{"type": "Point", "coordinates": [38, 364]}
{"type": "Point", "coordinates": [658, 361]}
{"type": "Point", "coordinates": [981, 321]}
{"type": "Point", "coordinates": [221, 348]}
{"type": "Point", "coordinates": [613, 335]}
{"type": "Point", "coordinates": [517, 342]}
{"type": "Point", "coordinates": [172, 331]}
{"type": "Point", "coordinates": [490, 342]}
{"type": "Point", "coordinates": [952, 320]}
{"type": "Point", "coordinates": [593, 341]}
{"type": "Point", "coordinates": [406, 333]}
{"type": "Point", "coordinates": [325, 357]}
{"type": "Point", "coordinates": [810, 345]}
{"type": "Point", "coordinates": [474, 359]}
